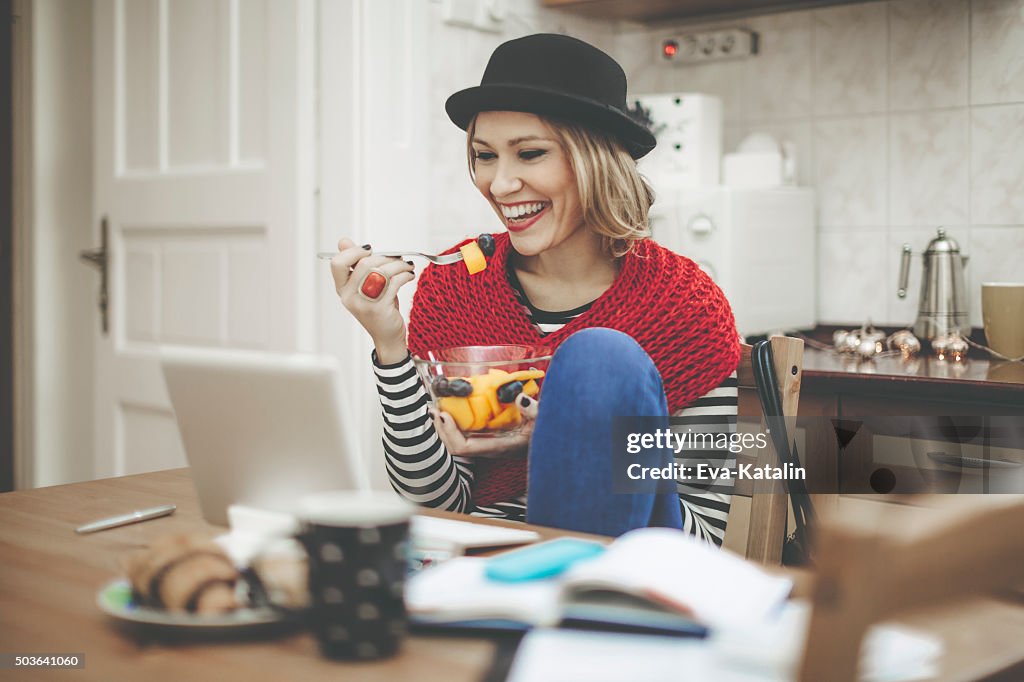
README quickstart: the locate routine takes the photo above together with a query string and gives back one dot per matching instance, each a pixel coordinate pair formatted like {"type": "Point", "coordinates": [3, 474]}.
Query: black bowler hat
{"type": "Point", "coordinates": [558, 76]}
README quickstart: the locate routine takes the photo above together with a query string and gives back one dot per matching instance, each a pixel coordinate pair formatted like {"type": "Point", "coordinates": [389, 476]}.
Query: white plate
{"type": "Point", "coordinates": [116, 600]}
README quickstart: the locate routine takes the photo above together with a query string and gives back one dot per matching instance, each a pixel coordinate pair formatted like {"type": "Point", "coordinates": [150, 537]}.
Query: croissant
{"type": "Point", "coordinates": [184, 573]}
{"type": "Point", "coordinates": [285, 579]}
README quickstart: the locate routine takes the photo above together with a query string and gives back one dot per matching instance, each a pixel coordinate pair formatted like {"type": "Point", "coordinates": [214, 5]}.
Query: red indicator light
{"type": "Point", "coordinates": [669, 48]}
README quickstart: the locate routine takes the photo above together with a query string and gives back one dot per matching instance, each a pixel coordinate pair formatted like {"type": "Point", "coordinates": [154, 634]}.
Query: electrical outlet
{"type": "Point", "coordinates": [706, 46]}
{"type": "Point", "coordinates": [482, 15]}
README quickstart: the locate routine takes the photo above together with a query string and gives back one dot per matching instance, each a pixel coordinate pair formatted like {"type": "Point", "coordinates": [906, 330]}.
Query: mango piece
{"type": "Point", "coordinates": [494, 378]}
{"type": "Point", "coordinates": [459, 409]}
{"type": "Point", "coordinates": [497, 376]}
{"type": "Point", "coordinates": [481, 411]}
{"type": "Point", "coordinates": [506, 418]}
{"type": "Point", "coordinates": [525, 375]}
{"type": "Point", "coordinates": [473, 257]}
{"type": "Point", "coordinates": [492, 400]}
{"type": "Point", "coordinates": [484, 384]}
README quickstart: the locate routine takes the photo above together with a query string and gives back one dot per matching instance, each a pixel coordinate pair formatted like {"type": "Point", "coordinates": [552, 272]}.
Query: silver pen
{"type": "Point", "coordinates": [125, 519]}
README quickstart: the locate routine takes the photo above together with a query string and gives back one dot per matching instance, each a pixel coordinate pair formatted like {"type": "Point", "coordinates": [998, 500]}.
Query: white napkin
{"type": "Point", "coordinates": [258, 531]}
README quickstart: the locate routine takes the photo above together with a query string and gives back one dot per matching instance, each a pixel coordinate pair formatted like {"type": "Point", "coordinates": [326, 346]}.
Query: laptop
{"type": "Point", "coordinates": [260, 429]}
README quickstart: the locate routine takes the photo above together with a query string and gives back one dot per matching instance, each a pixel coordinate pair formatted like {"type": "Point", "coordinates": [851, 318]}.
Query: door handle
{"type": "Point", "coordinates": [99, 259]}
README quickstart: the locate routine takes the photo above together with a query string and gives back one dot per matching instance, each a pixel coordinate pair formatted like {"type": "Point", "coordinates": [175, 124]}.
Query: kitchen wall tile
{"type": "Point", "coordinates": [850, 172]}
{"type": "Point", "coordinates": [850, 59]}
{"type": "Point", "coordinates": [903, 311]}
{"type": "Point", "coordinates": [778, 79]}
{"type": "Point", "coordinates": [997, 165]}
{"type": "Point", "coordinates": [459, 55]}
{"type": "Point", "coordinates": [723, 79]}
{"type": "Point", "coordinates": [995, 256]}
{"type": "Point", "coordinates": [928, 175]}
{"type": "Point", "coordinates": [635, 53]}
{"type": "Point", "coordinates": [928, 46]}
{"type": "Point", "coordinates": [525, 17]}
{"type": "Point", "coordinates": [851, 268]}
{"type": "Point", "coordinates": [594, 31]}
{"type": "Point", "coordinates": [732, 135]}
{"type": "Point", "coordinates": [997, 51]}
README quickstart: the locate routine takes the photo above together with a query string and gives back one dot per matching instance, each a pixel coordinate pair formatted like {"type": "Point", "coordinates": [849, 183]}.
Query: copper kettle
{"type": "Point", "coordinates": [942, 308]}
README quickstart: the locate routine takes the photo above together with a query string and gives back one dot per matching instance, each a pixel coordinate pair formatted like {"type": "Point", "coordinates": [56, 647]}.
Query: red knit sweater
{"type": "Point", "coordinates": [663, 300]}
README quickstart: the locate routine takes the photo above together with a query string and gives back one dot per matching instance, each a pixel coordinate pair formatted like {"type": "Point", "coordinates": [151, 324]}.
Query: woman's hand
{"type": "Point", "coordinates": [511, 445]}
{"type": "Point", "coordinates": [380, 317]}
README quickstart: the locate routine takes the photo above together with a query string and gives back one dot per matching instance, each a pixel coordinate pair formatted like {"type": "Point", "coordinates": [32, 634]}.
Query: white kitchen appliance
{"type": "Point", "coordinates": [688, 127]}
{"type": "Point", "coordinates": [757, 244]}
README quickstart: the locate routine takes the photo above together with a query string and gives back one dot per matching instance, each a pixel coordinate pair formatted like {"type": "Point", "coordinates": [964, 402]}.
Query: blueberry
{"type": "Point", "coordinates": [440, 387]}
{"type": "Point", "coordinates": [460, 388]}
{"type": "Point", "coordinates": [486, 244]}
{"type": "Point", "coordinates": [507, 392]}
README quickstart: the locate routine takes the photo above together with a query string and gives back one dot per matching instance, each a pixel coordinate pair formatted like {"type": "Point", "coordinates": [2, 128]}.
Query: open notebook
{"type": "Point", "coordinates": [767, 652]}
{"type": "Point", "coordinates": [654, 579]}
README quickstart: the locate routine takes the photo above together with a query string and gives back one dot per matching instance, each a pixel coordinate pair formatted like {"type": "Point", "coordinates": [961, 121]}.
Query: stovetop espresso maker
{"type": "Point", "coordinates": [942, 308]}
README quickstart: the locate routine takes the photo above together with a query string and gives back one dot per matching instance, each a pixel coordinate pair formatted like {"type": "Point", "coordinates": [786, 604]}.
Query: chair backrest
{"type": "Point", "coordinates": [769, 504]}
{"type": "Point", "coordinates": [891, 558]}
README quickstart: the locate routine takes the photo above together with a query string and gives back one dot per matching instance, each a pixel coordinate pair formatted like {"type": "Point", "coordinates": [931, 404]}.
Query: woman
{"type": "Point", "coordinates": [639, 330]}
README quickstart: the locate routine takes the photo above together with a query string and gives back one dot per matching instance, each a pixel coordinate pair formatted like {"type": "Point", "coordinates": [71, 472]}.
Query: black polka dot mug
{"type": "Point", "coordinates": [358, 547]}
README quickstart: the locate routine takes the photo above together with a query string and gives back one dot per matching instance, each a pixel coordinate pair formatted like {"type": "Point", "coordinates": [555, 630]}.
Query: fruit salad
{"type": "Point", "coordinates": [485, 402]}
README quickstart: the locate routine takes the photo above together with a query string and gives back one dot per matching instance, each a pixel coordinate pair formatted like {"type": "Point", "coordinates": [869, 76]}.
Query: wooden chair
{"type": "Point", "coordinates": [881, 561]}
{"type": "Point", "coordinates": [768, 502]}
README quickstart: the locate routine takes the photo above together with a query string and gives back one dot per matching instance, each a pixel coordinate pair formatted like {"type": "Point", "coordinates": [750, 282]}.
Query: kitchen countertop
{"type": "Point", "coordinates": [976, 379]}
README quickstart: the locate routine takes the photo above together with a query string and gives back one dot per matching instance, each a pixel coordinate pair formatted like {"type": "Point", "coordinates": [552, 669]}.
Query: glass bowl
{"type": "Point", "coordinates": [478, 385]}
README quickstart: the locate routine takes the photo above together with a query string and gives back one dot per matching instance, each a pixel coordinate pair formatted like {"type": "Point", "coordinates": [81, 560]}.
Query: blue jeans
{"type": "Point", "coordinates": [596, 374]}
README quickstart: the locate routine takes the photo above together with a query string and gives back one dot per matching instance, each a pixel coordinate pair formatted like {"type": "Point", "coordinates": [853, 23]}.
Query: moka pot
{"type": "Point", "coordinates": [942, 308]}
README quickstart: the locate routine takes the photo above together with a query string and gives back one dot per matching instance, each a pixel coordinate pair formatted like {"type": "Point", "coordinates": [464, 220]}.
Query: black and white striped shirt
{"type": "Point", "coordinates": [422, 470]}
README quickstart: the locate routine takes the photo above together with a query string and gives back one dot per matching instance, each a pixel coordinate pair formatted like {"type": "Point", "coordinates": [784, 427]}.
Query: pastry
{"type": "Point", "coordinates": [184, 573]}
{"type": "Point", "coordinates": [284, 577]}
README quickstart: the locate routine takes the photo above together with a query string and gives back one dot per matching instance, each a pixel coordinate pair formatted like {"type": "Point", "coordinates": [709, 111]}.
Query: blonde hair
{"type": "Point", "coordinates": [614, 198]}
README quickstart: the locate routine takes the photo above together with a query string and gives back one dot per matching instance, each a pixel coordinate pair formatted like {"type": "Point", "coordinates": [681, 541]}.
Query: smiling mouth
{"type": "Point", "coordinates": [523, 213]}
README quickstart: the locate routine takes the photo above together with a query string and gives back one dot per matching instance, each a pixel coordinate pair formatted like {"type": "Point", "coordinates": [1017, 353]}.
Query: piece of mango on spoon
{"type": "Point", "coordinates": [476, 253]}
{"type": "Point", "coordinates": [473, 257]}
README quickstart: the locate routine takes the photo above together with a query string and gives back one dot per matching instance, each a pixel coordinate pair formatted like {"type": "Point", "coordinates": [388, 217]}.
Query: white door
{"type": "Point", "coordinates": [204, 126]}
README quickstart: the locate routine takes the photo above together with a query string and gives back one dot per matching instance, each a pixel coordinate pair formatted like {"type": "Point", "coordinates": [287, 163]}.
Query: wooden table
{"type": "Point", "coordinates": [49, 577]}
